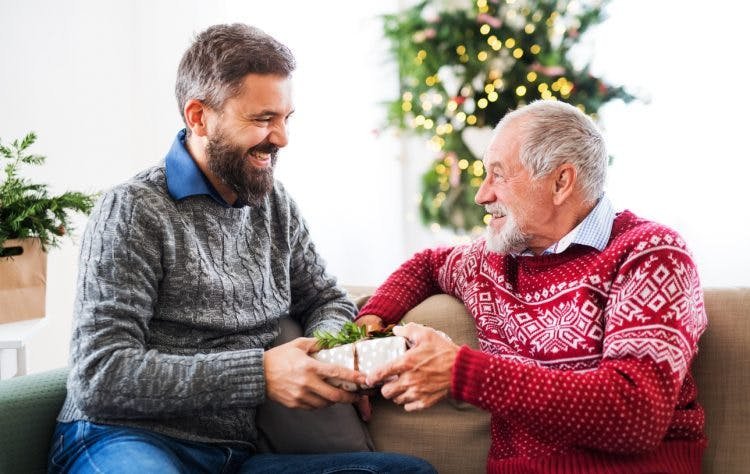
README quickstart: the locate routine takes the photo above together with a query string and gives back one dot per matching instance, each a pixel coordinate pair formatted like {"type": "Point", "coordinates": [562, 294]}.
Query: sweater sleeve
{"type": "Point", "coordinates": [317, 302]}
{"type": "Point", "coordinates": [654, 317]}
{"type": "Point", "coordinates": [114, 374]}
{"type": "Point", "coordinates": [415, 280]}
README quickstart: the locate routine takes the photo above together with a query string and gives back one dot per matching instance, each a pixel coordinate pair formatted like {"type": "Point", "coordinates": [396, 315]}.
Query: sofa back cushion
{"type": "Point", "coordinates": [453, 436]}
{"type": "Point", "coordinates": [722, 373]}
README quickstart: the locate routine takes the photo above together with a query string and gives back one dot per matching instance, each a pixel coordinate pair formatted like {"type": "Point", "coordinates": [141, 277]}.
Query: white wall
{"type": "Point", "coordinates": [682, 159]}
{"type": "Point", "coordinates": [94, 80]}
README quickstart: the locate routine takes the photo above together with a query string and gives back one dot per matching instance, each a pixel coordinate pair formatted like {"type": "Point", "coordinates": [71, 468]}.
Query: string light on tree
{"type": "Point", "coordinates": [464, 64]}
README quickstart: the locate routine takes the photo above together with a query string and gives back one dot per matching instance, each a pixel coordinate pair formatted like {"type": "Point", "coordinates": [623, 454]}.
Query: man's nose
{"type": "Point", "coordinates": [279, 135]}
{"type": "Point", "coordinates": [484, 194]}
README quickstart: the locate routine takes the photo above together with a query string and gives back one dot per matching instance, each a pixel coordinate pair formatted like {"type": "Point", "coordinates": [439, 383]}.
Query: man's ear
{"type": "Point", "coordinates": [565, 181]}
{"type": "Point", "coordinates": [196, 117]}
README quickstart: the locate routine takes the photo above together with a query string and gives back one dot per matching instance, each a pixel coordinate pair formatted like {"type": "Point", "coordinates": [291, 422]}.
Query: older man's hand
{"type": "Point", "coordinates": [422, 377]}
{"type": "Point", "coordinates": [370, 321]}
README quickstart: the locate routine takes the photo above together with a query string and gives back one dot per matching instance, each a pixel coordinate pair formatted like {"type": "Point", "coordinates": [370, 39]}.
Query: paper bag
{"type": "Point", "coordinates": [23, 280]}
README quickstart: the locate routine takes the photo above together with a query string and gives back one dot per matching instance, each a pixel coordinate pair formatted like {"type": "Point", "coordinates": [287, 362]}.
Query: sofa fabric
{"type": "Point", "coordinates": [453, 437]}
{"type": "Point", "coordinates": [28, 408]}
{"type": "Point", "coordinates": [722, 371]}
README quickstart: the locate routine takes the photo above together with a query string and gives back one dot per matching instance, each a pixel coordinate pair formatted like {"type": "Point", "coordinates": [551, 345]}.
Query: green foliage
{"type": "Point", "coordinates": [348, 334]}
{"type": "Point", "coordinates": [465, 64]}
{"type": "Point", "coordinates": [26, 209]}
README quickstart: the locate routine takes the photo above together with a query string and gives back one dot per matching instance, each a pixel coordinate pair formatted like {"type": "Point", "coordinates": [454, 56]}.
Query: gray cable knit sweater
{"type": "Point", "coordinates": [177, 301]}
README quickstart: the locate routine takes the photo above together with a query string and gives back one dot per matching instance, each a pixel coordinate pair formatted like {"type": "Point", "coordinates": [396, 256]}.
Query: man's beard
{"type": "Point", "coordinates": [510, 239]}
{"type": "Point", "coordinates": [231, 165]}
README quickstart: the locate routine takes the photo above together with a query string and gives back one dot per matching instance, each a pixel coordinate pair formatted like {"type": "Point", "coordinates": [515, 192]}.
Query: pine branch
{"type": "Point", "coordinates": [26, 209]}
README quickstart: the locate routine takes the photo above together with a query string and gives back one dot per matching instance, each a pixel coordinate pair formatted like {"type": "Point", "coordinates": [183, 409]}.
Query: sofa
{"type": "Point", "coordinates": [453, 436]}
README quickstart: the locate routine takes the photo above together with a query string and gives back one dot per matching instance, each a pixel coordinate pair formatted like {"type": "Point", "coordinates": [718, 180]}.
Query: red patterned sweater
{"type": "Point", "coordinates": [585, 355]}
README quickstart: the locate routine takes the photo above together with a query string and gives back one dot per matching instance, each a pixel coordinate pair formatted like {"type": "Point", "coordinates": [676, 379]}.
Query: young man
{"type": "Point", "coordinates": [184, 273]}
{"type": "Point", "coordinates": [587, 320]}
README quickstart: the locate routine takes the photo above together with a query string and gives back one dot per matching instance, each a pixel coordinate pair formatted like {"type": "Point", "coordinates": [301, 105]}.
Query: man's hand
{"type": "Point", "coordinates": [296, 380]}
{"type": "Point", "coordinates": [423, 374]}
{"type": "Point", "coordinates": [370, 321]}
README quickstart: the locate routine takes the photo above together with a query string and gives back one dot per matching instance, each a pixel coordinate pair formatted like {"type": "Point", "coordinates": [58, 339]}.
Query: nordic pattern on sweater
{"type": "Point", "coordinates": [177, 301]}
{"type": "Point", "coordinates": [580, 351]}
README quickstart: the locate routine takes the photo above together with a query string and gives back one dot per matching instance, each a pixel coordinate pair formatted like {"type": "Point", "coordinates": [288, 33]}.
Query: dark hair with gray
{"type": "Point", "coordinates": [552, 133]}
{"type": "Point", "coordinates": [212, 68]}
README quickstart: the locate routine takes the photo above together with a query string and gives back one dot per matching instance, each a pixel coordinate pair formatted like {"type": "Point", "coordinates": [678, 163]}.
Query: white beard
{"type": "Point", "coordinates": [510, 239]}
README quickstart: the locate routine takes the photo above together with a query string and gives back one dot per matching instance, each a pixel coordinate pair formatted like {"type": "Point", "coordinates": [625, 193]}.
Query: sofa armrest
{"type": "Point", "coordinates": [28, 408]}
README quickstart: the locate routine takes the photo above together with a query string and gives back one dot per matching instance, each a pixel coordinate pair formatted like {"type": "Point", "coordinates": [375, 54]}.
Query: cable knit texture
{"type": "Point", "coordinates": [177, 301]}
{"type": "Point", "coordinates": [584, 356]}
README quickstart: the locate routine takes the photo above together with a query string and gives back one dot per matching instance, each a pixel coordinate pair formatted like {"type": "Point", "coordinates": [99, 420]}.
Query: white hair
{"type": "Point", "coordinates": [552, 133]}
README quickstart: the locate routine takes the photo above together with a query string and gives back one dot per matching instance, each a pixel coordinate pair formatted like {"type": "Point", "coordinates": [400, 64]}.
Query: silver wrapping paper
{"type": "Point", "coordinates": [365, 356]}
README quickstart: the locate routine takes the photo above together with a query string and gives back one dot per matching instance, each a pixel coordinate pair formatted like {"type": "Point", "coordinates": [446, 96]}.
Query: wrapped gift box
{"type": "Point", "coordinates": [365, 356]}
{"type": "Point", "coordinates": [343, 356]}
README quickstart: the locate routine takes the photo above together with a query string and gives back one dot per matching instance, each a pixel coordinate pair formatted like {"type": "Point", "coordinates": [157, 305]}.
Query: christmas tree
{"type": "Point", "coordinates": [463, 65]}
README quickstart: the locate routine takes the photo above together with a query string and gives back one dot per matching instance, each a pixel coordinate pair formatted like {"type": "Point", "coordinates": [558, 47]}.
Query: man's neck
{"type": "Point", "coordinates": [196, 146]}
{"type": "Point", "coordinates": [568, 219]}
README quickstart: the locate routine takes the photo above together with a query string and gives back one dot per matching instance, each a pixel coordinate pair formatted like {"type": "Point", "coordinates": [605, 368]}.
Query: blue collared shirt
{"type": "Point", "coordinates": [184, 178]}
{"type": "Point", "coordinates": [593, 231]}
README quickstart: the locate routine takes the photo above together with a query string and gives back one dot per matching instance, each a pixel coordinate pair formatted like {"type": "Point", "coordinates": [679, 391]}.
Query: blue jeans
{"type": "Point", "coordinates": [84, 447]}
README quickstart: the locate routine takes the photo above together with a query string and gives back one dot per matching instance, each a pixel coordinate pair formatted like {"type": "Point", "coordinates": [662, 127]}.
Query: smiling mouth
{"type": "Point", "coordinates": [259, 159]}
{"type": "Point", "coordinates": [261, 156]}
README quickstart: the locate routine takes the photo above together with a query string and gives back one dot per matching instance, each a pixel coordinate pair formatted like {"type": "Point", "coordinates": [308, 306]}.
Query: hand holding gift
{"type": "Point", "coordinates": [423, 375]}
{"type": "Point", "coordinates": [372, 322]}
{"type": "Point", "coordinates": [297, 381]}
{"type": "Point", "coordinates": [359, 348]}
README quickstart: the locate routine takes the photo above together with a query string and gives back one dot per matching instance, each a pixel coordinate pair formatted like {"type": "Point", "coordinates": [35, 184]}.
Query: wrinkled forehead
{"type": "Point", "coordinates": [504, 145]}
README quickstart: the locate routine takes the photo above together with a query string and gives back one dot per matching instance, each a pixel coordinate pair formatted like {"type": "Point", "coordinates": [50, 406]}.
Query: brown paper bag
{"type": "Point", "coordinates": [23, 281]}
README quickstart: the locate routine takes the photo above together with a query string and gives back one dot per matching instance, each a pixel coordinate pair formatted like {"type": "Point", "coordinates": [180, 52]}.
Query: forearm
{"type": "Point", "coordinates": [413, 282]}
{"type": "Point", "coordinates": [634, 398]}
{"type": "Point", "coordinates": [135, 383]}
{"type": "Point", "coordinates": [327, 309]}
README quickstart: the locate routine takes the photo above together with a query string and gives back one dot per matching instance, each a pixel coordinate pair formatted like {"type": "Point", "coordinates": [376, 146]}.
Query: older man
{"type": "Point", "coordinates": [587, 320]}
{"type": "Point", "coordinates": [185, 272]}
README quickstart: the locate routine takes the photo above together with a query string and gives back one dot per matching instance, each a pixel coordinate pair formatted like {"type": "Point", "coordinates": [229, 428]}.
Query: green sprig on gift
{"type": "Point", "coordinates": [350, 333]}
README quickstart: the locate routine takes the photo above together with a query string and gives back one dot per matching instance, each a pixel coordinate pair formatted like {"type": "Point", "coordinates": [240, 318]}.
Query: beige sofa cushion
{"type": "Point", "coordinates": [453, 436]}
{"type": "Point", "coordinates": [722, 373]}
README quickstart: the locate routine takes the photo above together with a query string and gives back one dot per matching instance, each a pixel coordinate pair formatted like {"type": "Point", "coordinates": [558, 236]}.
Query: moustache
{"type": "Point", "coordinates": [265, 147]}
{"type": "Point", "coordinates": [496, 208]}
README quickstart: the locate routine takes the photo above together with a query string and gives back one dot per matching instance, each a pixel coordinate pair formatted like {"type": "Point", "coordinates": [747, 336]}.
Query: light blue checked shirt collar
{"type": "Point", "coordinates": [593, 231]}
